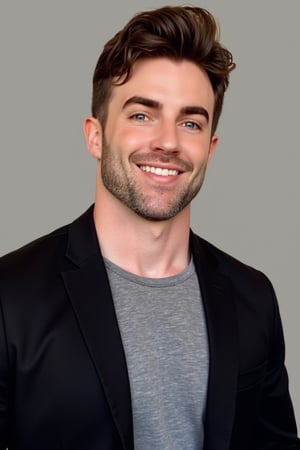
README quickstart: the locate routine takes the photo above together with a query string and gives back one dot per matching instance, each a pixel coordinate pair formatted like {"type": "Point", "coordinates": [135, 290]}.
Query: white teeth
{"type": "Point", "coordinates": [159, 171]}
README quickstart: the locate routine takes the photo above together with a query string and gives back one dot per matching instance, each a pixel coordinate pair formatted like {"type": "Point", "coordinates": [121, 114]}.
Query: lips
{"type": "Point", "coordinates": [159, 171]}
{"type": "Point", "coordinates": [162, 165]}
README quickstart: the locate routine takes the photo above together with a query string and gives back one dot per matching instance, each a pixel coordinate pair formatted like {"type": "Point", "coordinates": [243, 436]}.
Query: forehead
{"type": "Point", "coordinates": [180, 83]}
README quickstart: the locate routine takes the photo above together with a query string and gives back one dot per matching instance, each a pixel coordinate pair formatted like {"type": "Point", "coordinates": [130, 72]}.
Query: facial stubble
{"type": "Point", "coordinates": [153, 207]}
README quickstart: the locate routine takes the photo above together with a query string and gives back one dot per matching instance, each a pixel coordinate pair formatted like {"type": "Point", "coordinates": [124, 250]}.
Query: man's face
{"type": "Point", "coordinates": [157, 139]}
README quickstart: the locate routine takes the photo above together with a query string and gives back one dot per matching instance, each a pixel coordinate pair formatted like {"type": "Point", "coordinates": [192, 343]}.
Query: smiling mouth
{"type": "Point", "coordinates": [159, 171]}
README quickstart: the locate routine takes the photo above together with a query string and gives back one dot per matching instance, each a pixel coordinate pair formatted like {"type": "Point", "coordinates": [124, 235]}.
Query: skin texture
{"type": "Point", "coordinates": [159, 119]}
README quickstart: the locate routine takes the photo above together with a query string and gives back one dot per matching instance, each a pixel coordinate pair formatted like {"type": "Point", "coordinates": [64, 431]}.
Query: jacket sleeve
{"type": "Point", "coordinates": [276, 425]}
{"type": "Point", "coordinates": [4, 384]}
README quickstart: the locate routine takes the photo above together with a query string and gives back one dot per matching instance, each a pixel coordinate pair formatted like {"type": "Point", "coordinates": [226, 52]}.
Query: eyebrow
{"type": "Point", "coordinates": [155, 104]}
{"type": "Point", "coordinates": [142, 101]}
{"type": "Point", "coordinates": [196, 110]}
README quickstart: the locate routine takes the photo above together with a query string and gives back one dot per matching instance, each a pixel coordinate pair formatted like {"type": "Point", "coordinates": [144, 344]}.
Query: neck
{"type": "Point", "coordinates": [154, 249]}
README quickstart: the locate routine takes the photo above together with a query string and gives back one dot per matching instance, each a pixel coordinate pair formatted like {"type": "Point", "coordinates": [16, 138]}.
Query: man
{"type": "Point", "coordinates": [124, 329]}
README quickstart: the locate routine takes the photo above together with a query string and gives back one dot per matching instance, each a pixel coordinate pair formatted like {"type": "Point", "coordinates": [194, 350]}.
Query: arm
{"type": "Point", "coordinates": [4, 385]}
{"type": "Point", "coordinates": [276, 425]}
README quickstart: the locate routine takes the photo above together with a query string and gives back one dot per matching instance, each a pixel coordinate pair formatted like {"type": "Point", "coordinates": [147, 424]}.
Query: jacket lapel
{"type": "Point", "coordinates": [219, 307]}
{"type": "Point", "coordinates": [88, 288]}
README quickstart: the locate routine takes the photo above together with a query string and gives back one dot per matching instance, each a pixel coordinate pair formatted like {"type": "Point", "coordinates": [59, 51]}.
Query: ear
{"type": "Point", "coordinates": [213, 145]}
{"type": "Point", "coordinates": [93, 136]}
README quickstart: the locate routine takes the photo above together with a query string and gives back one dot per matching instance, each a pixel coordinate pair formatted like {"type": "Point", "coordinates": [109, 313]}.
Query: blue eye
{"type": "Point", "coordinates": [192, 125]}
{"type": "Point", "coordinates": [140, 117]}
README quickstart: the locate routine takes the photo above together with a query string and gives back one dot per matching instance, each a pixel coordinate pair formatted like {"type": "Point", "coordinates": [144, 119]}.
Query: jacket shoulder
{"type": "Point", "coordinates": [239, 272]}
{"type": "Point", "coordinates": [34, 255]}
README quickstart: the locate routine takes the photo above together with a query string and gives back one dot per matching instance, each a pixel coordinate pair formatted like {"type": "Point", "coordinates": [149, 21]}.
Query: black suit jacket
{"type": "Point", "coordinates": [63, 376]}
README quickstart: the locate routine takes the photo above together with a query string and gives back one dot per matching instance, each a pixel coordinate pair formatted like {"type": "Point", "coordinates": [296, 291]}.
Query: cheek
{"type": "Point", "coordinates": [198, 151]}
{"type": "Point", "coordinates": [133, 138]}
{"type": "Point", "coordinates": [199, 160]}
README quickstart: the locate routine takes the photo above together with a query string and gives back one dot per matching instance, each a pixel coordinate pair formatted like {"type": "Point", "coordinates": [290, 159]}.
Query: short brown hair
{"type": "Point", "coordinates": [177, 32]}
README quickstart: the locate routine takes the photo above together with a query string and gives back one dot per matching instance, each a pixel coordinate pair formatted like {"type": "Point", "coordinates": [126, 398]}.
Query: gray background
{"type": "Point", "coordinates": [249, 205]}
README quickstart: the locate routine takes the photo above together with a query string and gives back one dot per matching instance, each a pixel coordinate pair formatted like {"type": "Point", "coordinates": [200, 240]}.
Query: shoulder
{"type": "Point", "coordinates": [33, 258]}
{"type": "Point", "coordinates": [41, 246]}
{"type": "Point", "coordinates": [242, 277]}
{"type": "Point", "coordinates": [43, 260]}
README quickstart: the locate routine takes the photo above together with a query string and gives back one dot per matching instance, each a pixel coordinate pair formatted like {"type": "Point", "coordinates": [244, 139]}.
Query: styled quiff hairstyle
{"type": "Point", "coordinates": [177, 33]}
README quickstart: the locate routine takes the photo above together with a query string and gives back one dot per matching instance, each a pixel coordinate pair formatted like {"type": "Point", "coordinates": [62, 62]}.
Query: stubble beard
{"type": "Point", "coordinates": [150, 207]}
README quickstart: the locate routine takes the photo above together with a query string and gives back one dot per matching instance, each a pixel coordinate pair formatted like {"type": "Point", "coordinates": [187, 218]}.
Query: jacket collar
{"type": "Point", "coordinates": [82, 239]}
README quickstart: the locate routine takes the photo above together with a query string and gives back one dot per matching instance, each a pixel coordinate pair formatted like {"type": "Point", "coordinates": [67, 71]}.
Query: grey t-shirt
{"type": "Point", "coordinates": [164, 336]}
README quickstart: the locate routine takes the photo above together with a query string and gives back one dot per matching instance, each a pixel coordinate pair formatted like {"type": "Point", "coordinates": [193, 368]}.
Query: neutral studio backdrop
{"type": "Point", "coordinates": [249, 205]}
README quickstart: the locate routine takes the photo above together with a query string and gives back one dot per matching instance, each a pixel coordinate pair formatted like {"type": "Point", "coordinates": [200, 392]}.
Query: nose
{"type": "Point", "coordinates": [166, 137]}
